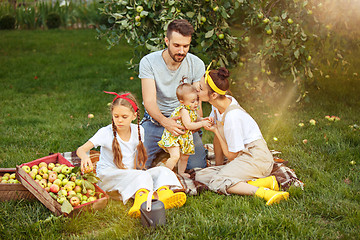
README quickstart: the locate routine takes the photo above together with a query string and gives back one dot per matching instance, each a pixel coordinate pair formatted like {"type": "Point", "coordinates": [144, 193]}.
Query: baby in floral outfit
{"type": "Point", "coordinates": [181, 146]}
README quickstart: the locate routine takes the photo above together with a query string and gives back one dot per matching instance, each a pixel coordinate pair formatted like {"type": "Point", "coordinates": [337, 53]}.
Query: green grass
{"type": "Point", "coordinates": [48, 113]}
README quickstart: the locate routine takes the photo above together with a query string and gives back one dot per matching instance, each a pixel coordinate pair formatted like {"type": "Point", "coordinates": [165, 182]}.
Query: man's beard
{"type": "Point", "coordinates": [176, 57]}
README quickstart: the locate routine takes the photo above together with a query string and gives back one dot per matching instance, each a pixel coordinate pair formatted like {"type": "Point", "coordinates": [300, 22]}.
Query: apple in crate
{"type": "Point", "coordinates": [75, 201]}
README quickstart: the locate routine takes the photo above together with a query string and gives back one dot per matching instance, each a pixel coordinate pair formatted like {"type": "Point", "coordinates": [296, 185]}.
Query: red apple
{"type": "Point", "coordinates": [51, 166]}
{"type": "Point", "coordinates": [54, 188]}
{"type": "Point", "coordinates": [75, 201]}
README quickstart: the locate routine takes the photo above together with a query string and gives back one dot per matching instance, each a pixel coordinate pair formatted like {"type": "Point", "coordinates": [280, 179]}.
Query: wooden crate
{"type": "Point", "coordinates": [44, 197]}
{"type": "Point", "coordinates": [13, 191]}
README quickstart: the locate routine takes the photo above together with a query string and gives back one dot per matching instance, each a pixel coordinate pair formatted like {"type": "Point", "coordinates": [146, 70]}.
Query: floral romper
{"type": "Point", "coordinates": [185, 141]}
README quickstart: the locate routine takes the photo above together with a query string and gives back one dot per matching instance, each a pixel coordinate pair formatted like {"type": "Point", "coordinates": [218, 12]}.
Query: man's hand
{"type": "Point", "coordinates": [172, 126]}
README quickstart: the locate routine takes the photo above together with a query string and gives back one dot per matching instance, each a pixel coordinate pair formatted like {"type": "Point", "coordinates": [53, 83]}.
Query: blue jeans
{"type": "Point", "coordinates": [153, 133]}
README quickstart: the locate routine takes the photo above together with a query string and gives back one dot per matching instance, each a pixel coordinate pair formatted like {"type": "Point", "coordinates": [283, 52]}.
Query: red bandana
{"type": "Point", "coordinates": [123, 96]}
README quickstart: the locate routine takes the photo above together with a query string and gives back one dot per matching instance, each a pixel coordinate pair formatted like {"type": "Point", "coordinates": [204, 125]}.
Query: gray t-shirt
{"type": "Point", "coordinates": [154, 67]}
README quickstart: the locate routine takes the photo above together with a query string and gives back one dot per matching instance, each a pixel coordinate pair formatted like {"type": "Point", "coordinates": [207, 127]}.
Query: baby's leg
{"type": "Point", "coordinates": [174, 157]}
{"type": "Point", "coordinates": [182, 165]}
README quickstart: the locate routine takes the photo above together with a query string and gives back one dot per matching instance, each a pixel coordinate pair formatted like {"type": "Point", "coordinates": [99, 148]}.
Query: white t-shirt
{"type": "Point", "coordinates": [154, 67]}
{"type": "Point", "coordinates": [239, 127]}
{"type": "Point", "coordinates": [104, 138]}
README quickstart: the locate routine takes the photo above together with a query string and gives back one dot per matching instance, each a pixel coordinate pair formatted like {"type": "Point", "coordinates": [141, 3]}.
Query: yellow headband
{"type": "Point", "coordinates": [211, 83]}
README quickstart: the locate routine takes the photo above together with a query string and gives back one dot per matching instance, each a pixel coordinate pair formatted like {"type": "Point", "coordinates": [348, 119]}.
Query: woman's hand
{"type": "Point", "coordinates": [86, 165]}
{"type": "Point", "coordinates": [211, 127]}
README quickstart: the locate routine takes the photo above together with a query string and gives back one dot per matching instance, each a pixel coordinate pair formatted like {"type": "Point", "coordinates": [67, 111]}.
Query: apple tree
{"type": "Point", "coordinates": [267, 41]}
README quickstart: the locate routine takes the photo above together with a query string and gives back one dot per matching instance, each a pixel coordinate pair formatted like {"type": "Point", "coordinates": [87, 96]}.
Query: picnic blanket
{"type": "Point", "coordinates": [285, 176]}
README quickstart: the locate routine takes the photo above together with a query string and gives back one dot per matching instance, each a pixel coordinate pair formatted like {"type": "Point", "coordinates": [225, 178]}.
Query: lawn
{"type": "Point", "coordinates": [51, 80]}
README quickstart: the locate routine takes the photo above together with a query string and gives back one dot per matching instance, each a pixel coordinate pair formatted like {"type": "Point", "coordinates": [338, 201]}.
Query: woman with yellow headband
{"type": "Point", "coordinates": [239, 139]}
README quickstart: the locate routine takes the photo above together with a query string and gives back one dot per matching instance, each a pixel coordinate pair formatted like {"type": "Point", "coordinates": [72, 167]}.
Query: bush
{"type": "Point", "coordinates": [53, 21]}
{"type": "Point", "coordinates": [7, 22]}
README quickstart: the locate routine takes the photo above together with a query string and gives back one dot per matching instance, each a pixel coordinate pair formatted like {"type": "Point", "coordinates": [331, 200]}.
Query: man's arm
{"type": "Point", "coordinates": [149, 97]}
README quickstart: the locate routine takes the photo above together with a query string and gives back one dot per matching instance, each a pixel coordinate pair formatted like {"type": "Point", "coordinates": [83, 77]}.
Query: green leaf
{"type": "Point", "coordinates": [190, 14]}
{"type": "Point", "coordinates": [209, 34]}
{"type": "Point", "coordinates": [66, 207]}
{"type": "Point", "coordinates": [89, 185]}
{"type": "Point", "coordinates": [297, 54]}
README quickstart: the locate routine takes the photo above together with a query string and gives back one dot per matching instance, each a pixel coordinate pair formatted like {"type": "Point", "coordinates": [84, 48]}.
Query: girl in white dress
{"type": "Point", "coordinates": [122, 160]}
{"type": "Point", "coordinates": [238, 137]}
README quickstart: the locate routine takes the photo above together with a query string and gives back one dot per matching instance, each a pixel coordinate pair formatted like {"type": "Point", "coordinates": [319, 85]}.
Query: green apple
{"type": "Point", "coordinates": [38, 177]}
{"type": "Point", "coordinates": [26, 168]}
{"type": "Point", "coordinates": [352, 162]}
{"type": "Point", "coordinates": [71, 194]}
{"type": "Point", "coordinates": [4, 181]}
{"type": "Point", "coordinates": [12, 176]}
{"type": "Point", "coordinates": [221, 36]}
{"type": "Point", "coordinates": [139, 9]}
{"type": "Point", "coordinates": [203, 19]}
{"type": "Point", "coordinates": [263, 70]}
{"type": "Point", "coordinates": [84, 198]}
{"type": "Point", "coordinates": [61, 176]}
{"type": "Point", "coordinates": [241, 64]}
{"type": "Point", "coordinates": [309, 12]}
{"type": "Point", "coordinates": [79, 182]}
{"type": "Point", "coordinates": [266, 20]}
{"type": "Point", "coordinates": [260, 15]}
{"type": "Point", "coordinates": [256, 79]}
{"type": "Point", "coordinates": [312, 122]}
{"type": "Point", "coordinates": [138, 24]}
{"type": "Point", "coordinates": [61, 199]}
{"type": "Point", "coordinates": [216, 8]}
{"type": "Point", "coordinates": [64, 181]}
{"type": "Point", "coordinates": [268, 72]}
{"type": "Point", "coordinates": [269, 32]}
{"type": "Point", "coordinates": [290, 21]}
{"type": "Point", "coordinates": [35, 167]}
{"type": "Point", "coordinates": [246, 39]}
{"type": "Point", "coordinates": [32, 174]}
{"type": "Point", "coordinates": [35, 170]}
{"type": "Point", "coordinates": [43, 170]}
{"type": "Point", "coordinates": [90, 199]}
{"type": "Point", "coordinates": [57, 182]}
{"type": "Point", "coordinates": [62, 192]}
{"type": "Point", "coordinates": [276, 18]}
{"type": "Point", "coordinates": [138, 18]}
{"type": "Point", "coordinates": [5, 178]}
{"type": "Point", "coordinates": [51, 166]}
{"type": "Point", "coordinates": [42, 164]}
{"type": "Point", "coordinates": [308, 58]}
{"type": "Point", "coordinates": [66, 170]}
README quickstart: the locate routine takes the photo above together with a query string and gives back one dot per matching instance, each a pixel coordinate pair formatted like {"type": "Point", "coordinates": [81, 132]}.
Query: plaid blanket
{"type": "Point", "coordinates": [285, 176]}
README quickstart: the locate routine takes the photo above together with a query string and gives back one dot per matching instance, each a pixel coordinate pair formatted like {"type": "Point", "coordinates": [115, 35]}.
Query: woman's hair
{"type": "Point", "coordinates": [220, 79]}
{"type": "Point", "coordinates": [141, 156]}
{"type": "Point", "coordinates": [181, 26]}
{"type": "Point", "coordinates": [184, 89]}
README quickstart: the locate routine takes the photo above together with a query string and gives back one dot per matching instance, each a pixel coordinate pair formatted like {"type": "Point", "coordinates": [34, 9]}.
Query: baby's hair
{"type": "Point", "coordinates": [220, 78]}
{"type": "Point", "coordinates": [183, 89]}
{"type": "Point", "coordinates": [141, 156]}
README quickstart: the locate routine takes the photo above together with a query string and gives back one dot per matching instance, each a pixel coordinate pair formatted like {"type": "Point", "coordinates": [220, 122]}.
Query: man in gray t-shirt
{"type": "Point", "coordinates": [160, 73]}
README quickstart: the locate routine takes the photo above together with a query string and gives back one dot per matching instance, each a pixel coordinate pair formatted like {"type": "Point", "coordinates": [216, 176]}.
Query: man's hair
{"type": "Point", "coordinates": [181, 26]}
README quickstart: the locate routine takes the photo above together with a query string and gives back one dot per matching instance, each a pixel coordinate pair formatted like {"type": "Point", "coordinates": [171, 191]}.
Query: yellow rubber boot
{"type": "Point", "coordinates": [268, 182]}
{"type": "Point", "coordinates": [169, 198]}
{"type": "Point", "coordinates": [271, 196]}
{"type": "Point", "coordinates": [140, 197]}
